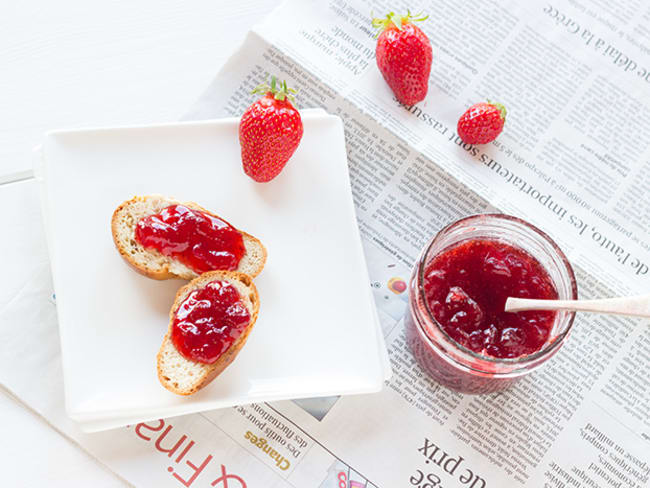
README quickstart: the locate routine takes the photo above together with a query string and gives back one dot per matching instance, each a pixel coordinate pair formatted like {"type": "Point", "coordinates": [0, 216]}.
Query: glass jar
{"type": "Point", "coordinates": [456, 366]}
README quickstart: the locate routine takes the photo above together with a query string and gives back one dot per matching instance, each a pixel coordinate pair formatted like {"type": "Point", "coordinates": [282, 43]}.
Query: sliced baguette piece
{"type": "Point", "coordinates": [183, 376]}
{"type": "Point", "coordinates": [154, 264]}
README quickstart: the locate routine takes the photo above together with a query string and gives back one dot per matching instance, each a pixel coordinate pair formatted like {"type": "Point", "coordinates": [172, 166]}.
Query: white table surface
{"type": "Point", "coordinates": [74, 63]}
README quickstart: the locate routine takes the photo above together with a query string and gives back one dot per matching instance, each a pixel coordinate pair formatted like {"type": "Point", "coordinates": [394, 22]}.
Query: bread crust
{"type": "Point", "coordinates": [165, 273]}
{"type": "Point", "coordinates": [211, 371]}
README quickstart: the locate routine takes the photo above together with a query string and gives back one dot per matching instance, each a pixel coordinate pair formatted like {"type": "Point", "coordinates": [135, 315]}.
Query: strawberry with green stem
{"type": "Point", "coordinates": [269, 131]}
{"type": "Point", "coordinates": [481, 123]}
{"type": "Point", "coordinates": [404, 56]}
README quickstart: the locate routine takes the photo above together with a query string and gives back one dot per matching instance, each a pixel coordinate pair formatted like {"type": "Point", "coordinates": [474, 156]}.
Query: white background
{"type": "Point", "coordinates": [74, 63]}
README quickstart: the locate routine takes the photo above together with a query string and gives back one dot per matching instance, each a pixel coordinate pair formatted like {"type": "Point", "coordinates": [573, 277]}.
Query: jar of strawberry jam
{"type": "Point", "coordinates": [456, 325]}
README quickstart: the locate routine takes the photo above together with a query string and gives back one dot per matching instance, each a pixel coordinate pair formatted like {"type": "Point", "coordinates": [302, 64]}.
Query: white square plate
{"type": "Point", "coordinates": [316, 334]}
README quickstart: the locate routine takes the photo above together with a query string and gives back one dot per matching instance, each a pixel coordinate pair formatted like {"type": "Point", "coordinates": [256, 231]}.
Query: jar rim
{"type": "Point", "coordinates": [550, 348]}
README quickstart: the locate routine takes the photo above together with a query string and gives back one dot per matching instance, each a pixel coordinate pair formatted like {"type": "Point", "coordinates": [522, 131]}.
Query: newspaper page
{"type": "Point", "coordinates": [571, 160]}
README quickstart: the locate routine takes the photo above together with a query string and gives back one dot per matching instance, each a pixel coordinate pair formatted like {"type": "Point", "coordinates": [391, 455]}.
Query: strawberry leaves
{"type": "Point", "coordinates": [279, 90]}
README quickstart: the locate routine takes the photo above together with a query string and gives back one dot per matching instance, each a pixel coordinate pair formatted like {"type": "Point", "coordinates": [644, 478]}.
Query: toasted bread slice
{"type": "Point", "coordinates": [184, 376]}
{"type": "Point", "coordinates": [154, 264]}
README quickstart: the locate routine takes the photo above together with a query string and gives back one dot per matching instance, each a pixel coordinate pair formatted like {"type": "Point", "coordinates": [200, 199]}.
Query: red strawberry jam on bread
{"type": "Point", "coordinates": [200, 241]}
{"type": "Point", "coordinates": [210, 321]}
{"type": "Point", "coordinates": [163, 238]}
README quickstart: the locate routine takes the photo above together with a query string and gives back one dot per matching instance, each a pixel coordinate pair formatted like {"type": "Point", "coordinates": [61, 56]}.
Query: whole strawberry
{"type": "Point", "coordinates": [481, 123]}
{"type": "Point", "coordinates": [269, 131]}
{"type": "Point", "coordinates": [404, 56]}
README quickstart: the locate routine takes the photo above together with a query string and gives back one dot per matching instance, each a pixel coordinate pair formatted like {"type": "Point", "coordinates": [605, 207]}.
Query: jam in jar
{"type": "Point", "coordinates": [456, 325]}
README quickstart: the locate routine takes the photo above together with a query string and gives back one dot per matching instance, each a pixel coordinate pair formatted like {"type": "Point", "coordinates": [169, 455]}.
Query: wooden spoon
{"type": "Point", "coordinates": [637, 306]}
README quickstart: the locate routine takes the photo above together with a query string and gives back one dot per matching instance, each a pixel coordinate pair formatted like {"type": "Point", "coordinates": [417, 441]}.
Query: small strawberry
{"type": "Point", "coordinates": [404, 56]}
{"type": "Point", "coordinates": [269, 131]}
{"type": "Point", "coordinates": [481, 123]}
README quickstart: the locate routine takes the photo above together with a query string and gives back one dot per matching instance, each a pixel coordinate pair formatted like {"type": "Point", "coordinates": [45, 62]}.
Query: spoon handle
{"type": "Point", "coordinates": [637, 306]}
